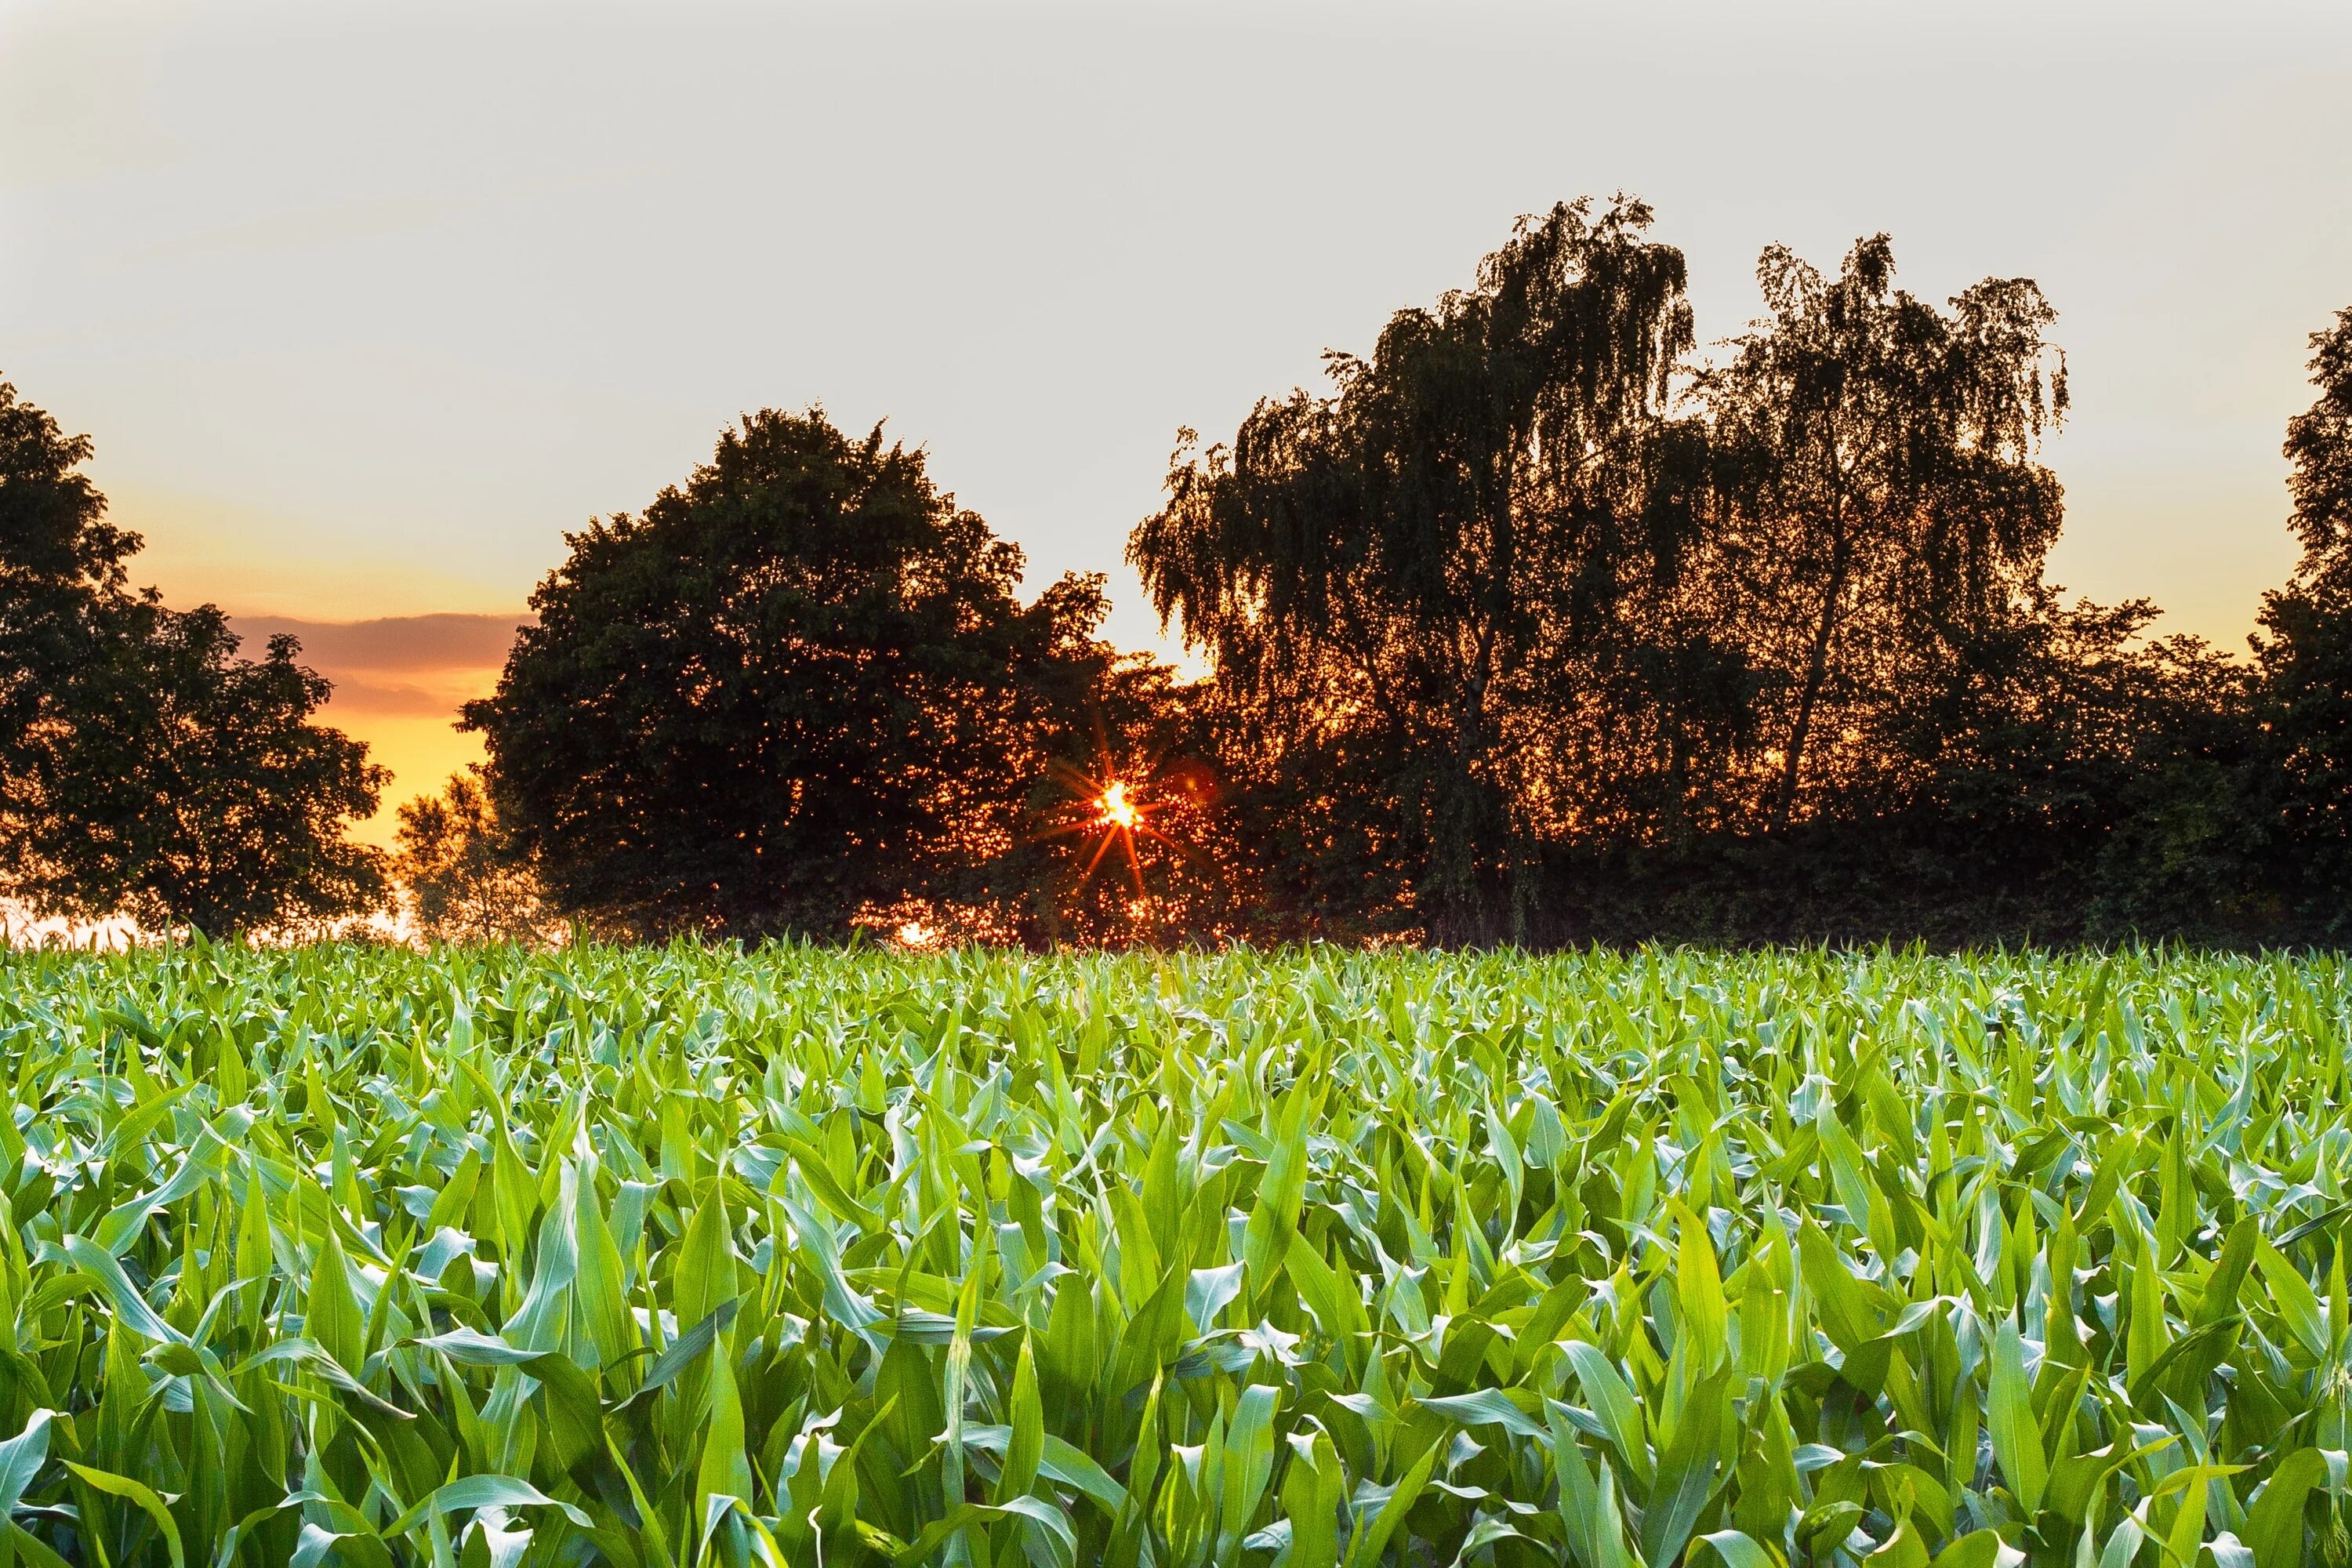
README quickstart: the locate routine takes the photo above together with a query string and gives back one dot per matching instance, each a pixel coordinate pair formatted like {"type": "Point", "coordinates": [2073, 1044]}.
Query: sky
{"type": "Point", "coordinates": [364, 305]}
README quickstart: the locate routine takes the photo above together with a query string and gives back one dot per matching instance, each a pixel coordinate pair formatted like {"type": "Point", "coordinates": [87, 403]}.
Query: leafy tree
{"type": "Point", "coordinates": [463, 877]}
{"type": "Point", "coordinates": [1884, 506]}
{"type": "Point", "coordinates": [1508, 643]}
{"type": "Point", "coordinates": [2078, 784]}
{"type": "Point", "coordinates": [796, 691]}
{"type": "Point", "coordinates": [148, 771]}
{"type": "Point", "coordinates": [2085, 770]}
{"type": "Point", "coordinates": [2304, 652]}
{"type": "Point", "coordinates": [189, 787]}
{"type": "Point", "coordinates": [1407, 584]}
{"type": "Point", "coordinates": [60, 567]}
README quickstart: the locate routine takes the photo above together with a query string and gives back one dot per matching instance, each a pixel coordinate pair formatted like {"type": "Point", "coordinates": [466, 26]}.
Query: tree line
{"type": "Point", "coordinates": [1536, 624]}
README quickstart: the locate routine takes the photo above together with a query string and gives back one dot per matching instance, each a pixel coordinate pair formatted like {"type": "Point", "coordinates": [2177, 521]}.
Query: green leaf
{"type": "Point", "coordinates": [1699, 1452]}
{"type": "Point", "coordinates": [829, 1190]}
{"type": "Point", "coordinates": [2077, 1480]}
{"type": "Point", "coordinates": [725, 1470]}
{"type": "Point", "coordinates": [2275, 1527]}
{"type": "Point", "coordinates": [1365, 1547]}
{"type": "Point", "coordinates": [608, 1333]}
{"type": "Point", "coordinates": [481, 1491]}
{"type": "Point", "coordinates": [1027, 1426]}
{"type": "Point", "coordinates": [1488, 1407]}
{"type": "Point", "coordinates": [1058, 1462]}
{"type": "Point", "coordinates": [2016, 1436]}
{"type": "Point", "coordinates": [1738, 1550]}
{"type": "Point", "coordinates": [1274, 1222]}
{"type": "Point", "coordinates": [22, 1457]}
{"type": "Point", "coordinates": [1331, 1295]}
{"type": "Point", "coordinates": [1614, 1402]}
{"type": "Point", "coordinates": [129, 1307]}
{"type": "Point", "coordinates": [137, 1493]}
{"type": "Point", "coordinates": [1979, 1549]}
{"type": "Point", "coordinates": [1053, 1525]}
{"type": "Point", "coordinates": [1902, 1549]}
{"type": "Point", "coordinates": [301, 1352]}
{"type": "Point", "coordinates": [331, 1317]}
{"type": "Point", "coordinates": [1249, 1464]}
{"type": "Point", "coordinates": [1314, 1494]}
{"type": "Point", "coordinates": [1698, 1284]}
{"type": "Point", "coordinates": [469, 1347]}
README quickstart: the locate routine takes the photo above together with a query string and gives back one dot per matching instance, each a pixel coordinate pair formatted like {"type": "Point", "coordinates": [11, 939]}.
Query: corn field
{"type": "Point", "coordinates": [692, 1255]}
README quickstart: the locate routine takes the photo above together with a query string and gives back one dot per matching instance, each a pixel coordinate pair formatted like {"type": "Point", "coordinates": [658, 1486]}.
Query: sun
{"type": "Point", "coordinates": [1118, 817]}
{"type": "Point", "coordinates": [1113, 808]}
{"type": "Point", "coordinates": [1112, 813]}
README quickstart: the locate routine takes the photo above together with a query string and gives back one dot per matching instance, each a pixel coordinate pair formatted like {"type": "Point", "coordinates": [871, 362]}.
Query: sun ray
{"type": "Point", "coordinates": [1100, 850]}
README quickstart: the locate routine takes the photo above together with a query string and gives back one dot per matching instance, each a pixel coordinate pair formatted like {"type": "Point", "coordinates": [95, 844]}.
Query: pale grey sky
{"type": "Point", "coordinates": [366, 304]}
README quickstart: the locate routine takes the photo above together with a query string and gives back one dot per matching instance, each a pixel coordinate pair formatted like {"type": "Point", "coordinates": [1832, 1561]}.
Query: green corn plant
{"type": "Point", "coordinates": [692, 1255]}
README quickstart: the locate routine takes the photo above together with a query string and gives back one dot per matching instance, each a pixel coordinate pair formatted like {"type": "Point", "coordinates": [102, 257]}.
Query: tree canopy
{"type": "Point", "coordinates": [149, 771]}
{"type": "Point", "coordinates": [798, 689]}
{"type": "Point", "coordinates": [1400, 581]}
{"type": "Point", "coordinates": [2305, 651]}
{"type": "Point", "coordinates": [190, 787]}
{"type": "Point", "coordinates": [62, 566]}
{"type": "Point", "coordinates": [461, 875]}
{"type": "Point", "coordinates": [1883, 512]}
{"type": "Point", "coordinates": [1540, 625]}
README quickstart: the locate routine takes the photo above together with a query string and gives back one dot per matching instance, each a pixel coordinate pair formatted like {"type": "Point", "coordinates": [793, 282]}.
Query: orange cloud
{"type": "Point", "coordinates": [394, 643]}
{"type": "Point", "coordinates": [398, 683]}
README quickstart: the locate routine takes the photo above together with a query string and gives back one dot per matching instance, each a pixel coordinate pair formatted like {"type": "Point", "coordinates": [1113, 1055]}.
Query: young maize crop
{"type": "Point", "coordinates": [691, 1254]}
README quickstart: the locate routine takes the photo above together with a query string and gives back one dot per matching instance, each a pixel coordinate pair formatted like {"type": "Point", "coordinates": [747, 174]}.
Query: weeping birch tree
{"type": "Point", "coordinates": [1884, 506]}
{"type": "Point", "coordinates": [1398, 583]}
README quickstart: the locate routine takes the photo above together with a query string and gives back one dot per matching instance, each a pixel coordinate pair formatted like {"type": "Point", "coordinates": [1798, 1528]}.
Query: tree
{"type": "Point", "coordinates": [189, 787]}
{"type": "Point", "coordinates": [1406, 584]}
{"type": "Point", "coordinates": [148, 771]}
{"type": "Point", "coordinates": [794, 692]}
{"type": "Point", "coordinates": [61, 566]}
{"type": "Point", "coordinates": [2084, 769]}
{"type": "Point", "coordinates": [461, 873]}
{"type": "Point", "coordinates": [2304, 652]}
{"type": "Point", "coordinates": [1883, 507]}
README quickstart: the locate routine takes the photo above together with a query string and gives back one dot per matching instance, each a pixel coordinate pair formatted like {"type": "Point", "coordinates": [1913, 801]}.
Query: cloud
{"type": "Point", "coordinates": [397, 666]}
{"type": "Point", "coordinates": [405, 645]}
{"type": "Point", "coordinates": [403, 701]}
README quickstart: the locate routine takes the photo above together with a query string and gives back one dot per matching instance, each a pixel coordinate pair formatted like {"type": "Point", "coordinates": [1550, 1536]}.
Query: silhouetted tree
{"type": "Point", "coordinates": [1407, 585]}
{"type": "Point", "coordinates": [797, 691]}
{"type": "Point", "coordinates": [150, 772]}
{"type": "Point", "coordinates": [1884, 508]}
{"type": "Point", "coordinates": [2304, 653]}
{"type": "Point", "coordinates": [190, 787]}
{"type": "Point", "coordinates": [2084, 769]}
{"type": "Point", "coordinates": [1510, 641]}
{"type": "Point", "coordinates": [60, 569]}
{"type": "Point", "coordinates": [462, 875]}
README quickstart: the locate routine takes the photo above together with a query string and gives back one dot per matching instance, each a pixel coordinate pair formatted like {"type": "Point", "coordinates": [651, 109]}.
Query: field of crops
{"type": "Point", "coordinates": [664, 1257]}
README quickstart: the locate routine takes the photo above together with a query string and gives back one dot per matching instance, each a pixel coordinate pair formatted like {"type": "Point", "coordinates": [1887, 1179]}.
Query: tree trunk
{"type": "Point", "coordinates": [1460, 916]}
{"type": "Point", "coordinates": [1816, 670]}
